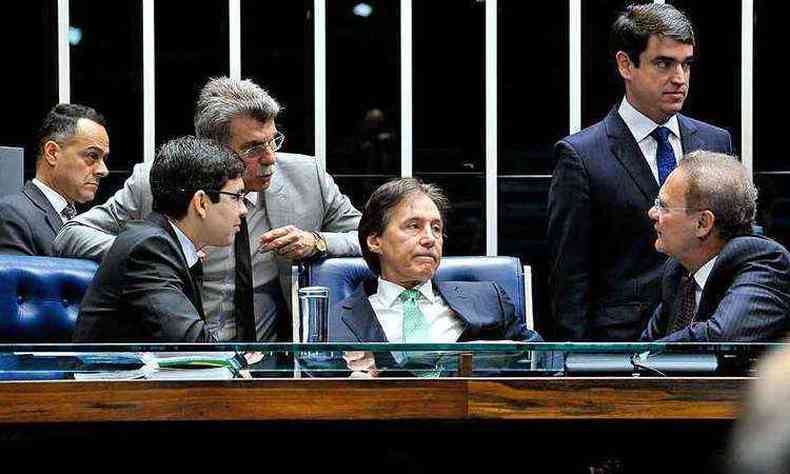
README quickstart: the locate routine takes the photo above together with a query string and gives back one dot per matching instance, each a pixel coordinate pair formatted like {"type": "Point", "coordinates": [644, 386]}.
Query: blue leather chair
{"type": "Point", "coordinates": [40, 297]}
{"type": "Point", "coordinates": [343, 275]}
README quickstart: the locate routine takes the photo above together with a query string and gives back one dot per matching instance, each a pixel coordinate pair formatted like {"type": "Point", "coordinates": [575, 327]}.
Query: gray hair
{"type": "Point", "coordinates": [721, 184]}
{"type": "Point", "coordinates": [223, 99]}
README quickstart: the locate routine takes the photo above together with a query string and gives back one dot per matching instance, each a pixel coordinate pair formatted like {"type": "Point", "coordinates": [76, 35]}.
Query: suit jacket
{"type": "Point", "coordinates": [28, 223]}
{"type": "Point", "coordinates": [746, 297]}
{"type": "Point", "coordinates": [143, 291]}
{"type": "Point", "coordinates": [605, 272]}
{"type": "Point", "coordinates": [486, 310]}
{"type": "Point", "coordinates": [301, 193]}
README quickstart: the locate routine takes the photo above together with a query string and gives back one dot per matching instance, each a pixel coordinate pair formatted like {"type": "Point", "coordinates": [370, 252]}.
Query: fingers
{"type": "Point", "coordinates": [361, 361]}
{"type": "Point", "coordinates": [288, 241]}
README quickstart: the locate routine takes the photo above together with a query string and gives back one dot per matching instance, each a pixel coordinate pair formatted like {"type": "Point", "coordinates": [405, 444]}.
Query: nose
{"type": "Point", "coordinates": [428, 238]}
{"type": "Point", "coordinates": [653, 213]}
{"type": "Point", "coordinates": [679, 74]}
{"type": "Point", "coordinates": [242, 208]}
{"type": "Point", "coordinates": [101, 169]}
{"type": "Point", "coordinates": [268, 157]}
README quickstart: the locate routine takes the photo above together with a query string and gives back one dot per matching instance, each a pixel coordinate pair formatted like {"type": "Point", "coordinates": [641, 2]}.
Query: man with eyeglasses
{"type": "Point", "coordinates": [721, 283]}
{"type": "Point", "coordinates": [296, 211]}
{"type": "Point", "coordinates": [148, 287]}
{"type": "Point", "coordinates": [604, 273]}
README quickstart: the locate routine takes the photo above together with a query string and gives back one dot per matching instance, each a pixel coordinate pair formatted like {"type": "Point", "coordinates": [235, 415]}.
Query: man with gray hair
{"type": "Point", "coordinates": [296, 211]}
{"type": "Point", "coordinates": [721, 283]}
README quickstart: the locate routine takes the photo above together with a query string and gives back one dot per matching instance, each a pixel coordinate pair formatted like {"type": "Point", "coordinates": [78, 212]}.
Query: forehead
{"type": "Point", "coordinates": [673, 192]}
{"type": "Point", "coordinates": [89, 133]}
{"type": "Point", "coordinates": [658, 45]}
{"type": "Point", "coordinates": [244, 129]}
{"type": "Point", "coordinates": [416, 205]}
{"type": "Point", "coordinates": [233, 185]}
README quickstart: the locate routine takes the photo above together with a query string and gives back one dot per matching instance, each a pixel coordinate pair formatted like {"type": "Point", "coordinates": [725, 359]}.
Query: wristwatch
{"type": "Point", "coordinates": [320, 245]}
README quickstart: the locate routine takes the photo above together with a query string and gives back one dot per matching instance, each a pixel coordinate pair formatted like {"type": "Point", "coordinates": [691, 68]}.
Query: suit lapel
{"type": "Point", "coordinates": [688, 135]}
{"type": "Point", "coordinates": [361, 320]}
{"type": "Point", "coordinates": [628, 153]}
{"type": "Point", "coordinates": [40, 201]}
{"type": "Point", "coordinates": [196, 292]}
{"type": "Point", "coordinates": [464, 307]}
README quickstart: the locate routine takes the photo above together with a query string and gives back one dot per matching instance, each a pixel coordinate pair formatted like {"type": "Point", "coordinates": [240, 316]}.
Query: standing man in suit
{"type": "Point", "coordinates": [72, 145]}
{"type": "Point", "coordinates": [296, 211]}
{"type": "Point", "coordinates": [401, 235]}
{"type": "Point", "coordinates": [604, 273]}
{"type": "Point", "coordinates": [147, 288]}
{"type": "Point", "coordinates": [721, 283]}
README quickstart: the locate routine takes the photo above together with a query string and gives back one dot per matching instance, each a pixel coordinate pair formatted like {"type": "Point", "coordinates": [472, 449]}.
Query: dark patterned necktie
{"type": "Point", "coordinates": [196, 271]}
{"type": "Point", "coordinates": [686, 305]}
{"type": "Point", "coordinates": [69, 212]}
{"type": "Point", "coordinates": [242, 294]}
{"type": "Point", "coordinates": [665, 157]}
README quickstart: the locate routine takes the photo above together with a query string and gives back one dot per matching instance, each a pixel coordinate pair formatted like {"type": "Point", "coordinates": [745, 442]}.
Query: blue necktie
{"type": "Point", "coordinates": [665, 157]}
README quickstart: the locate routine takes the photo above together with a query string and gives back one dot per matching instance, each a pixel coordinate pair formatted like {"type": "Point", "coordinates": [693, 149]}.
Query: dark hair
{"type": "Point", "coordinates": [60, 124]}
{"type": "Point", "coordinates": [637, 23]}
{"type": "Point", "coordinates": [721, 184]}
{"type": "Point", "coordinates": [378, 210]}
{"type": "Point", "coordinates": [223, 99]}
{"type": "Point", "coordinates": [186, 165]}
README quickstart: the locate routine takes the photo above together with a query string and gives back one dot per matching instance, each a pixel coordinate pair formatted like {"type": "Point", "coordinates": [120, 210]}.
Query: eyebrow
{"type": "Point", "coordinates": [670, 59]}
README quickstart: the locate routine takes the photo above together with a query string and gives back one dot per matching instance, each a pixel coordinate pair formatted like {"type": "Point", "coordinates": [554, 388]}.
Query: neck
{"type": "Point", "coordinates": [185, 225]}
{"type": "Point", "coordinates": [656, 117]}
{"type": "Point", "coordinates": [46, 178]}
{"type": "Point", "coordinates": [695, 262]}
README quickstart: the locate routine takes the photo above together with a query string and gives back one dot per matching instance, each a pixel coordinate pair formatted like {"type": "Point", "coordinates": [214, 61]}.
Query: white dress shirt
{"type": "Point", "coordinates": [444, 324]}
{"type": "Point", "coordinates": [58, 202]}
{"type": "Point", "coordinates": [641, 127]}
{"type": "Point", "coordinates": [190, 252]}
{"type": "Point", "coordinates": [701, 278]}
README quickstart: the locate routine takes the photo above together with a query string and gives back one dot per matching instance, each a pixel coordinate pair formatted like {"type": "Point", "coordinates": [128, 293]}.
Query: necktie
{"type": "Point", "coordinates": [242, 294]}
{"type": "Point", "coordinates": [196, 271]}
{"type": "Point", "coordinates": [665, 157]}
{"type": "Point", "coordinates": [69, 212]}
{"type": "Point", "coordinates": [417, 329]}
{"type": "Point", "coordinates": [686, 305]}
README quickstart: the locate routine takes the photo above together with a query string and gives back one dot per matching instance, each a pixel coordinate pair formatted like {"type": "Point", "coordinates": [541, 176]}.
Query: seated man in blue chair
{"type": "Point", "coordinates": [148, 286]}
{"type": "Point", "coordinates": [401, 233]}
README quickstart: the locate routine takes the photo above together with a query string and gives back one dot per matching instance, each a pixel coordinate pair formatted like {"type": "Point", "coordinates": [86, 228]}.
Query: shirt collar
{"type": "Point", "coordinates": [252, 197]}
{"type": "Point", "coordinates": [58, 202]}
{"type": "Point", "coordinates": [641, 125]}
{"type": "Point", "coordinates": [190, 252]}
{"type": "Point", "coordinates": [389, 292]}
{"type": "Point", "coordinates": [701, 275]}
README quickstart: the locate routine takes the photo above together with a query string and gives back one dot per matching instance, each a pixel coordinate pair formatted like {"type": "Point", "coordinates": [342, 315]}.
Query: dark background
{"type": "Point", "coordinates": [363, 92]}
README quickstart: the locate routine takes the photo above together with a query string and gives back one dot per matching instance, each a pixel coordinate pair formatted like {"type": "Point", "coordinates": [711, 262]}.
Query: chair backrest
{"type": "Point", "coordinates": [11, 170]}
{"type": "Point", "coordinates": [40, 297]}
{"type": "Point", "coordinates": [343, 275]}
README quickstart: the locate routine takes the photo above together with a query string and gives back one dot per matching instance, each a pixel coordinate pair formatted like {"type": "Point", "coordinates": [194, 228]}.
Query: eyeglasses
{"type": "Point", "coordinates": [272, 145]}
{"type": "Point", "coordinates": [662, 208]}
{"type": "Point", "coordinates": [237, 197]}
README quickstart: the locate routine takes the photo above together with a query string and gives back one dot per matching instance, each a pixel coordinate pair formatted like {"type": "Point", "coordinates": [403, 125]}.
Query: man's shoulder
{"type": "Point", "coordinates": [746, 245]}
{"type": "Point", "coordinates": [295, 161]}
{"type": "Point", "coordinates": [700, 126]}
{"type": "Point", "coordinates": [587, 136]}
{"type": "Point", "coordinates": [17, 200]}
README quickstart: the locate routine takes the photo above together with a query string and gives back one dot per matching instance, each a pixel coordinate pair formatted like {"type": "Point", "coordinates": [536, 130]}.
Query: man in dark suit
{"type": "Point", "coordinates": [401, 233]}
{"type": "Point", "coordinates": [72, 145]}
{"type": "Point", "coordinates": [604, 273]}
{"type": "Point", "coordinates": [148, 286]}
{"type": "Point", "coordinates": [721, 283]}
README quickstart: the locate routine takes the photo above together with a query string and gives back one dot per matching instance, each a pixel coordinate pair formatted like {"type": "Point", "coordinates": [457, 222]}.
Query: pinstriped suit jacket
{"type": "Point", "coordinates": [746, 297]}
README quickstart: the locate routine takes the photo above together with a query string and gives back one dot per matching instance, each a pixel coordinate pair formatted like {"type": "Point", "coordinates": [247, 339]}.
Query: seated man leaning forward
{"type": "Point", "coordinates": [148, 286]}
{"type": "Point", "coordinates": [722, 283]}
{"type": "Point", "coordinates": [401, 234]}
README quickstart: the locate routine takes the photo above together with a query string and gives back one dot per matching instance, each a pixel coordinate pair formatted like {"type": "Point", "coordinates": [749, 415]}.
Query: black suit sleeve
{"type": "Point", "coordinates": [569, 237]}
{"type": "Point", "coordinates": [156, 291]}
{"type": "Point", "coordinates": [16, 236]}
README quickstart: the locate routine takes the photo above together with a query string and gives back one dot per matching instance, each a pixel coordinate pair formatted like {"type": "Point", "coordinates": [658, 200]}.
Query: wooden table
{"type": "Point", "coordinates": [642, 398]}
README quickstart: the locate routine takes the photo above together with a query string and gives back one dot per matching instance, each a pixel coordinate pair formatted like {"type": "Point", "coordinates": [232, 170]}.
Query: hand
{"type": "Point", "coordinates": [361, 363]}
{"type": "Point", "coordinates": [289, 242]}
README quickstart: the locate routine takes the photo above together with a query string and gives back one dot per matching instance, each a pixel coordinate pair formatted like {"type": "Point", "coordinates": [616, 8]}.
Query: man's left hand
{"type": "Point", "coordinates": [289, 242]}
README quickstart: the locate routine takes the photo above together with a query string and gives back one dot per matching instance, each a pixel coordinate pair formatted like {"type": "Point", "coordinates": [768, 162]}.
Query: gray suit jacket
{"type": "Point", "coordinates": [746, 297]}
{"type": "Point", "coordinates": [28, 223]}
{"type": "Point", "coordinates": [301, 194]}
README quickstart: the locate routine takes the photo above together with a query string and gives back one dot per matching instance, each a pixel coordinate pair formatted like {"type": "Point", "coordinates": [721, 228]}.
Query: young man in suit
{"type": "Point", "coordinates": [721, 283]}
{"type": "Point", "coordinates": [296, 212]}
{"type": "Point", "coordinates": [147, 288]}
{"type": "Point", "coordinates": [72, 145]}
{"type": "Point", "coordinates": [604, 273]}
{"type": "Point", "coordinates": [401, 235]}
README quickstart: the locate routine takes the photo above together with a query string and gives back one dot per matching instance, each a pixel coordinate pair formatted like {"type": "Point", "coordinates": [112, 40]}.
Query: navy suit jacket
{"type": "Point", "coordinates": [746, 297]}
{"type": "Point", "coordinates": [605, 273]}
{"type": "Point", "coordinates": [486, 310]}
{"type": "Point", "coordinates": [28, 223]}
{"type": "Point", "coordinates": [143, 290]}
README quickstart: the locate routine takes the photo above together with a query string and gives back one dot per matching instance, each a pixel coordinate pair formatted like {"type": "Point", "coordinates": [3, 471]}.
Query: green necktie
{"type": "Point", "coordinates": [416, 329]}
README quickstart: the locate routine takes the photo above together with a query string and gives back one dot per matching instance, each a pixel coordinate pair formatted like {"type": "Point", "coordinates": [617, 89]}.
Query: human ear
{"type": "Point", "coordinates": [374, 243]}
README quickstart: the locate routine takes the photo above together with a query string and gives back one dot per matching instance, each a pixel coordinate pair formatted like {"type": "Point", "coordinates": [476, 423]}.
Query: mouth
{"type": "Point", "coordinates": [425, 257]}
{"type": "Point", "coordinates": [265, 172]}
{"type": "Point", "coordinates": [675, 95]}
